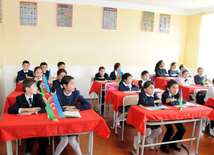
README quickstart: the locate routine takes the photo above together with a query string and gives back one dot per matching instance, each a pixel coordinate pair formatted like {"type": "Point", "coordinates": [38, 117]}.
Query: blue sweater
{"type": "Point", "coordinates": [161, 72]}
{"type": "Point", "coordinates": [170, 72]}
{"type": "Point", "coordinates": [122, 87]}
{"type": "Point", "coordinates": [147, 100]}
{"type": "Point", "coordinates": [166, 95]}
{"type": "Point", "coordinates": [198, 80]}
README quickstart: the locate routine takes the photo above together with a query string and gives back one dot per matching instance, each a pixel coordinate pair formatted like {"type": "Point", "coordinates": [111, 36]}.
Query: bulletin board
{"type": "Point", "coordinates": [148, 21]}
{"type": "Point", "coordinates": [28, 13]}
{"type": "Point", "coordinates": [164, 23]}
{"type": "Point", "coordinates": [109, 18]}
{"type": "Point", "coordinates": [64, 15]}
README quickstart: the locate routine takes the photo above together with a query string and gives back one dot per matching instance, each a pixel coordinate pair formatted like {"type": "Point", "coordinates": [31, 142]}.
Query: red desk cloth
{"type": "Point", "coordinates": [96, 87]}
{"type": "Point", "coordinates": [210, 102]}
{"type": "Point", "coordinates": [18, 127]}
{"type": "Point", "coordinates": [115, 97]}
{"type": "Point", "coordinates": [11, 99]}
{"type": "Point", "coordinates": [161, 82]}
{"type": "Point", "coordinates": [19, 87]}
{"type": "Point", "coordinates": [137, 115]}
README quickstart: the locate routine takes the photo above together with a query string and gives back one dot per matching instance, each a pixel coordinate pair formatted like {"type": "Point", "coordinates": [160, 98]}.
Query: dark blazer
{"type": "Point", "coordinates": [147, 101]}
{"type": "Point", "coordinates": [47, 74]}
{"type": "Point", "coordinates": [122, 87]}
{"type": "Point", "coordinates": [160, 72]}
{"type": "Point", "coordinates": [170, 72]}
{"type": "Point", "coordinates": [38, 85]}
{"type": "Point", "coordinates": [166, 95]}
{"type": "Point", "coordinates": [113, 75]}
{"type": "Point", "coordinates": [140, 84]}
{"type": "Point", "coordinates": [21, 75]}
{"type": "Point", "coordinates": [56, 85]}
{"type": "Point", "coordinates": [198, 80]}
{"type": "Point", "coordinates": [106, 77]}
{"type": "Point", "coordinates": [21, 102]}
{"type": "Point", "coordinates": [73, 99]}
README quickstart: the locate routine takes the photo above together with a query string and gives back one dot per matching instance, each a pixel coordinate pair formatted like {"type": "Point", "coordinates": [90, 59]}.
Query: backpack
{"type": "Point", "coordinates": [200, 97]}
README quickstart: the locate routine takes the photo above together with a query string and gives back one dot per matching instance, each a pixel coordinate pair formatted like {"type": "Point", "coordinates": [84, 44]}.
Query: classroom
{"type": "Point", "coordinates": [133, 75]}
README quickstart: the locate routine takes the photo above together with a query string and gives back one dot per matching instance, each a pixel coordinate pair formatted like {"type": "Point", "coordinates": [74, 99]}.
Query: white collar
{"type": "Point", "coordinates": [27, 97]}
{"type": "Point", "coordinates": [25, 71]}
{"type": "Point", "coordinates": [39, 79]}
{"type": "Point", "coordinates": [149, 95]}
{"type": "Point", "coordinates": [67, 94]}
{"type": "Point", "coordinates": [125, 84]}
{"type": "Point", "coordinates": [171, 94]}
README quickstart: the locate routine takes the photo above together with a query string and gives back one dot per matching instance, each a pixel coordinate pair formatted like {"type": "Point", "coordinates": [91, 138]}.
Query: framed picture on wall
{"type": "Point", "coordinates": [164, 23]}
{"type": "Point", "coordinates": [109, 18]}
{"type": "Point", "coordinates": [28, 13]}
{"type": "Point", "coordinates": [148, 21]}
{"type": "Point", "coordinates": [64, 15]}
{"type": "Point", "coordinates": [0, 11]}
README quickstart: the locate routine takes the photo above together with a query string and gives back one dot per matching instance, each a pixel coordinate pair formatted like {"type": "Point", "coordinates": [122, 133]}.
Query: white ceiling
{"type": "Point", "coordinates": [186, 7]}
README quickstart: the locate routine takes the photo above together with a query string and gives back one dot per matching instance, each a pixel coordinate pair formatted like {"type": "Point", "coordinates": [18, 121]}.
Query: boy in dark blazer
{"type": "Point", "coordinates": [144, 78]}
{"type": "Point", "coordinates": [126, 83]}
{"type": "Point", "coordinates": [25, 72]}
{"type": "Point", "coordinates": [27, 104]}
{"type": "Point", "coordinates": [57, 83]}
{"type": "Point", "coordinates": [44, 67]}
{"type": "Point", "coordinates": [198, 78]}
{"type": "Point", "coordinates": [173, 72]}
{"type": "Point", "coordinates": [101, 75]}
{"type": "Point", "coordinates": [114, 73]}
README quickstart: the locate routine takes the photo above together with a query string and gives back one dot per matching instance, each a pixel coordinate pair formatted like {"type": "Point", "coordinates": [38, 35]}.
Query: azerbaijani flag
{"type": "Point", "coordinates": [57, 104]}
{"type": "Point", "coordinates": [180, 73]}
{"type": "Point", "coordinates": [180, 100]}
{"type": "Point", "coordinates": [119, 76]}
{"type": "Point", "coordinates": [44, 87]}
{"type": "Point", "coordinates": [204, 80]}
{"type": "Point", "coordinates": [50, 80]}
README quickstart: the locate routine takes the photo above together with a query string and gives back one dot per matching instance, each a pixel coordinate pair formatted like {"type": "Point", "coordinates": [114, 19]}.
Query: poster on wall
{"type": "Point", "coordinates": [164, 23]}
{"type": "Point", "coordinates": [148, 21]}
{"type": "Point", "coordinates": [64, 15]}
{"type": "Point", "coordinates": [28, 13]}
{"type": "Point", "coordinates": [109, 18]}
{"type": "Point", "coordinates": [0, 11]}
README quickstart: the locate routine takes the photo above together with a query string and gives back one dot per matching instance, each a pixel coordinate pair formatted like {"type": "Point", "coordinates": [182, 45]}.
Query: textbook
{"type": "Point", "coordinates": [131, 91]}
{"type": "Point", "coordinates": [162, 107]}
{"type": "Point", "coordinates": [72, 114]}
{"type": "Point", "coordinates": [188, 104]}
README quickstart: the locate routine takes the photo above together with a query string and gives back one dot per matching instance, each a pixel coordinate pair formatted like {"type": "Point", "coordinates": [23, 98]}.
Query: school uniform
{"type": "Point", "coordinates": [185, 81]}
{"type": "Point", "coordinates": [47, 74]}
{"type": "Point", "coordinates": [170, 130]}
{"type": "Point", "coordinates": [198, 79]}
{"type": "Point", "coordinates": [24, 101]}
{"type": "Point", "coordinates": [21, 75]}
{"type": "Point", "coordinates": [98, 77]}
{"type": "Point", "coordinates": [113, 75]}
{"type": "Point", "coordinates": [161, 72]}
{"type": "Point", "coordinates": [72, 99]}
{"type": "Point", "coordinates": [38, 83]}
{"type": "Point", "coordinates": [56, 85]}
{"type": "Point", "coordinates": [141, 83]}
{"type": "Point", "coordinates": [173, 71]}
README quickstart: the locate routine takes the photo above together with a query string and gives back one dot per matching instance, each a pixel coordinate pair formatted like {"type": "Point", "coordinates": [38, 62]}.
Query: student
{"type": "Point", "coordinates": [68, 98]}
{"type": "Point", "coordinates": [114, 73]}
{"type": "Point", "coordinates": [148, 97]}
{"type": "Point", "coordinates": [60, 65]}
{"type": "Point", "coordinates": [160, 70]}
{"type": "Point", "coordinates": [198, 78]}
{"type": "Point", "coordinates": [173, 72]}
{"type": "Point", "coordinates": [44, 67]}
{"type": "Point", "coordinates": [185, 79]}
{"type": "Point", "coordinates": [182, 67]}
{"type": "Point", "coordinates": [25, 72]}
{"type": "Point", "coordinates": [170, 97]}
{"type": "Point", "coordinates": [57, 83]}
{"type": "Point", "coordinates": [27, 104]}
{"type": "Point", "coordinates": [38, 73]}
{"type": "Point", "coordinates": [144, 78]}
{"type": "Point", "coordinates": [102, 75]}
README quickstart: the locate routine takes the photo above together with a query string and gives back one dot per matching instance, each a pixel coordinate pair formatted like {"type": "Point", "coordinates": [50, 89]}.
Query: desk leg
{"type": "Point", "coordinates": [138, 142]}
{"type": "Point", "coordinates": [17, 147]}
{"type": "Point", "coordinates": [9, 148]}
{"type": "Point", "coordinates": [113, 126]}
{"type": "Point", "coordinates": [100, 104]}
{"type": "Point", "coordinates": [90, 143]}
{"type": "Point", "coordinates": [193, 133]}
{"type": "Point", "coordinates": [116, 123]}
{"type": "Point", "coordinates": [52, 145]}
{"type": "Point", "coordinates": [199, 132]}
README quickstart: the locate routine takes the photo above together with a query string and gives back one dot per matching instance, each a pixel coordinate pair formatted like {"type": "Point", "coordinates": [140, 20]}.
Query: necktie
{"type": "Point", "coordinates": [30, 102]}
{"type": "Point", "coordinates": [185, 80]}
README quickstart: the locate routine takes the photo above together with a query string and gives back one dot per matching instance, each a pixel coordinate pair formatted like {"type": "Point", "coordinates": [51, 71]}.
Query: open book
{"type": "Point", "coordinates": [187, 105]}
{"type": "Point", "coordinates": [131, 91]}
{"type": "Point", "coordinates": [162, 107]}
{"type": "Point", "coordinates": [72, 114]}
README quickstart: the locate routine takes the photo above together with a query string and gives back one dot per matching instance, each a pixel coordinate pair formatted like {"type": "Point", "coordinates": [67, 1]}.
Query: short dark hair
{"type": "Point", "coordinates": [37, 67]}
{"type": "Point", "coordinates": [116, 65]}
{"type": "Point", "coordinates": [158, 65]}
{"type": "Point", "coordinates": [66, 79]}
{"type": "Point", "coordinates": [25, 62]}
{"type": "Point", "coordinates": [184, 71]}
{"type": "Point", "coordinates": [172, 64]}
{"type": "Point", "coordinates": [170, 83]}
{"type": "Point", "coordinates": [60, 63]}
{"type": "Point", "coordinates": [147, 84]}
{"type": "Point", "coordinates": [144, 72]}
{"type": "Point", "coordinates": [43, 63]}
{"type": "Point", "coordinates": [101, 67]}
{"type": "Point", "coordinates": [61, 71]}
{"type": "Point", "coordinates": [181, 66]}
{"type": "Point", "coordinates": [27, 83]}
{"type": "Point", "coordinates": [199, 68]}
{"type": "Point", "coordinates": [125, 76]}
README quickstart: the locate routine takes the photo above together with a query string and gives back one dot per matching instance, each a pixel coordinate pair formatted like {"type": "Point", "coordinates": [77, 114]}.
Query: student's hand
{"type": "Point", "coordinates": [29, 77]}
{"type": "Point", "coordinates": [26, 113]}
{"type": "Point", "coordinates": [101, 77]}
{"type": "Point", "coordinates": [29, 110]}
{"type": "Point", "coordinates": [70, 108]}
{"type": "Point", "coordinates": [170, 100]}
{"type": "Point", "coordinates": [157, 101]}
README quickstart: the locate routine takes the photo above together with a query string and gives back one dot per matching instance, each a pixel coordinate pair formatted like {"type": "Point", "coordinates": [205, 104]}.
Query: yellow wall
{"type": "Point", "coordinates": [86, 43]}
{"type": "Point", "coordinates": [1, 46]}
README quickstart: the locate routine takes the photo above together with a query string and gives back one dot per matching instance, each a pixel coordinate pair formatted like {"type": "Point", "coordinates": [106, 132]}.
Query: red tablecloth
{"type": "Point", "coordinates": [18, 127]}
{"type": "Point", "coordinates": [137, 115]}
{"type": "Point", "coordinates": [96, 86]}
{"type": "Point", "coordinates": [11, 99]}
{"type": "Point", "coordinates": [210, 102]}
{"type": "Point", "coordinates": [161, 82]}
{"type": "Point", "coordinates": [19, 87]}
{"type": "Point", "coordinates": [115, 97]}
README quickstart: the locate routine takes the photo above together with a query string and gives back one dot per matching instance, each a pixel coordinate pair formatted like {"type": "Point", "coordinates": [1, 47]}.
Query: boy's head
{"type": "Point", "coordinates": [44, 66]}
{"type": "Point", "coordinates": [145, 75]}
{"type": "Point", "coordinates": [102, 70]}
{"type": "Point", "coordinates": [61, 73]}
{"type": "Point", "coordinates": [68, 83]}
{"type": "Point", "coordinates": [200, 71]}
{"type": "Point", "coordinates": [61, 65]}
{"type": "Point", "coordinates": [117, 66]}
{"type": "Point", "coordinates": [38, 72]}
{"type": "Point", "coordinates": [185, 74]}
{"type": "Point", "coordinates": [173, 65]}
{"type": "Point", "coordinates": [172, 87]}
{"type": "Point", "coordinates": [149, 87]}
{"type": "Point", "coordinates": [25, 65]}
{"type": "Point", "coordinates": [29, 86]}
{"type": "Point", "coordinates": [127, 78]}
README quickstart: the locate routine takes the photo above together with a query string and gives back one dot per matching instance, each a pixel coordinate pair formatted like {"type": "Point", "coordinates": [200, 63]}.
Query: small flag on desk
{"type": "Point", "coordinates": [204, 80]}
{"type": "Point", "coordinates": [180, 100]}
{"type": "Point", "coordinates": [119, 76]}
{"type": "Point", "coordinates": [180, 73]}
{"type": "Point", "coordinates": [44, 86]}
{"type": "Point", "coordinates": [50, 80]}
